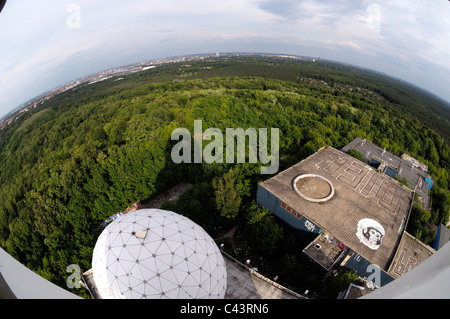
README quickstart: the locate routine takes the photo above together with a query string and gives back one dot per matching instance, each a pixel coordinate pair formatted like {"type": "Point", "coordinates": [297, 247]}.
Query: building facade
{"type": "Point", "coordinates": [359, 213]}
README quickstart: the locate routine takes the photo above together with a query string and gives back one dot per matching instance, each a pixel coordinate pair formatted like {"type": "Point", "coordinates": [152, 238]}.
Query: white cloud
{"type": "Point", "coordinates": [392, 35]}
{"type": "Point", "coordinates": [350, 44]}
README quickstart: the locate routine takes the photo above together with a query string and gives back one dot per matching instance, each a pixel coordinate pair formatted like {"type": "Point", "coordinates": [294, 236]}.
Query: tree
{"type": "Point", "coordinates": [356, 154]}
{"type": "Point", "coordinates": [440, 203]}
{"type": "Point", "coordinates": [336, 284]}
{"type": "Point", "coordinates": [263, 232]}
{"type": "Point", "coordinates": [403, 180]}
{"type": "Point", "coordinates": [227, 198]}
{"type": "Point", "coordinates": [432, 152]}
{"type": "Point", "coordinates": [97, 149]}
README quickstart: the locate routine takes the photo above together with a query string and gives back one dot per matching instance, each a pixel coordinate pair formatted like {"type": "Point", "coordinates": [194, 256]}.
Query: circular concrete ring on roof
{"type": "Point", "coordinates": [313, 188]}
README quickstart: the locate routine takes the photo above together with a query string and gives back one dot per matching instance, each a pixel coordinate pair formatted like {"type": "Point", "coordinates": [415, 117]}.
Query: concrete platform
{"type": "Point", "coordinates": [245, 283]}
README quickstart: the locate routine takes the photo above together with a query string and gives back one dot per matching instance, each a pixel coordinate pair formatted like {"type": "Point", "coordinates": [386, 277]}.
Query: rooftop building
{"type": "Point", "coordinates": [404, 167]}
{"type": "Point", "coordinates": [429, 280]}
{"type": "Point", "coordinates": [154, 253]}
{"type": "Point", "coordinates": [244, 282]}
{"type": "Point", "coordinates": [359, 212]}
{"type": "Point", "coordinates": [410, 253]}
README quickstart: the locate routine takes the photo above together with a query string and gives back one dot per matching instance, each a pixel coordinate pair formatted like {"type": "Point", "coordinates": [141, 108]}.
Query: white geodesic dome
{"type": "Point", "coordinates": [154, 253]}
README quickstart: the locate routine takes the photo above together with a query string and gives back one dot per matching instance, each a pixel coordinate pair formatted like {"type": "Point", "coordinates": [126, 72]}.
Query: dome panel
{"type": "Point", "coordinates": [153, 253]}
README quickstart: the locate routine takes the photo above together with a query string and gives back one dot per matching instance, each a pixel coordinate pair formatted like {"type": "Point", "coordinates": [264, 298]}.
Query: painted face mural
{"type": "Point", "coordinates": [370, 233]}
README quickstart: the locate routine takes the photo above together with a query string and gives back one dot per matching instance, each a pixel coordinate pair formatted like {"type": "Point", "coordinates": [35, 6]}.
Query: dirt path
{"type": "Point", "coordinates": [171, 195]}
{"type": "Point", "coordinates": [229, 234]}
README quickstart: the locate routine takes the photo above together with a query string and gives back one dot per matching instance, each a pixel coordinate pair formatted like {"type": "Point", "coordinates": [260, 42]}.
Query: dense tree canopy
{"type": "Point", "coordinates": [94, 150]}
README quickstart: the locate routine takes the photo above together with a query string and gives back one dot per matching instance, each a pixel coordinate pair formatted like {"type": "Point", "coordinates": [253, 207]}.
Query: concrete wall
{"type": "Point", "coordinates": [285, 212]}
{"type": "Point", "coordinates": [365, 269]}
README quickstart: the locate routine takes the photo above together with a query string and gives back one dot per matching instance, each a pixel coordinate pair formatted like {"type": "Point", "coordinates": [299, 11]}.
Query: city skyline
{"type": "Point", "coordinates": [55, 42]}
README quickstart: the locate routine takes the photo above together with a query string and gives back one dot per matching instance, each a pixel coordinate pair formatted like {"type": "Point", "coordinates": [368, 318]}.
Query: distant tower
{"type": "Point", "coordinates": [217, 54]}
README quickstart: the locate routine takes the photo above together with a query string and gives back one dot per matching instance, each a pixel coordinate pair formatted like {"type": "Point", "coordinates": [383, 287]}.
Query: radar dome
{"type": "Point", "coordinates": [154, 253]}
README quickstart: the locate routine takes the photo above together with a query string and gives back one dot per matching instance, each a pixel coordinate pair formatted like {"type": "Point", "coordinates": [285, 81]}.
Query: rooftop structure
{"type": "Point", "coordinates": [244, 282]}
{"type": "Point", "coordinates": [414, 162]}
{"type": "Point", "coordinates": [404, 167]}
{"type": "Point", "coordinates": [323, 251]}
{"type": "Point", "coordinates": [154, 253]}
{"type": "Point", "coordinates": [429, 280]}
{"type": "Point", "coordinates": [411, 252]}
{"type": "Point", "coordinates": [353, 206]}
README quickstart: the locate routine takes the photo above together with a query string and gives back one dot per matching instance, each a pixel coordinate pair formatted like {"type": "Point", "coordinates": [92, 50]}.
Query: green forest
{"type": "Point", "coordinates": [92, 151]}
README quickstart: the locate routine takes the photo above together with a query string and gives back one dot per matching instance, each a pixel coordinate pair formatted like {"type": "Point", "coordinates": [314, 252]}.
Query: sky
{"type": "Point", "coordinates": [46, 43]}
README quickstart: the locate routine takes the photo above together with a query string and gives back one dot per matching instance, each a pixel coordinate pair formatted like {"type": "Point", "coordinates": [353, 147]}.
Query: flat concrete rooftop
{"type": "Point", "coordinates": [323, 251]}
{"type": "Point", "coordinates": [367, 211]}
{"type": "Point", "coordinates": [411, 252]}
{"type": "Point", "coordinates": [245, 283]}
